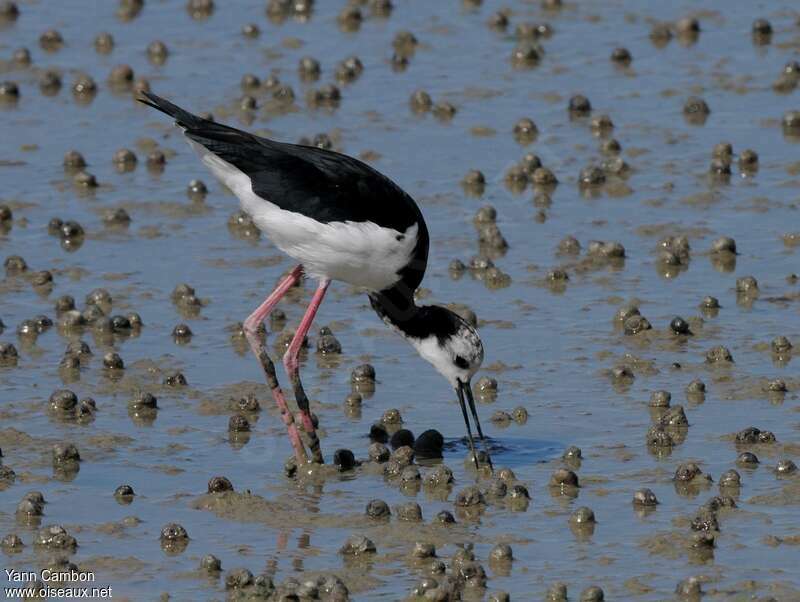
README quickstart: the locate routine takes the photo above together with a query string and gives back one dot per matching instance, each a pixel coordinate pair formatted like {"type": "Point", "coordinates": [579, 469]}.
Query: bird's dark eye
{"type": "Point", "coordinates": [461, 362]}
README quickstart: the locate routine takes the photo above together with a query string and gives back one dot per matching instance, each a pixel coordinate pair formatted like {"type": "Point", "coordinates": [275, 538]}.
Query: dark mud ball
{"type": "Point", "coordinates": [710, 302]}
{"type": "Point", "coordinates": [248, 103]}
{"type": "Point", "coordinates": [182, 333]}
{"type": "Point", "coordinates": [696, 106]}
{"type": "Point", "coordinates": [723, 244]}
{"type": "Point", "coordinates": [423, 550]}
{"type": "Point", "coordinates": [84, 85]}
{"type": "Point", "coordinates": [496, 489]}
{"type": "Point", "coordinates": [660, 399]}
{"type": "Point", "coordinates": [51, 40]}
{"type": "Point", "coordinates": [210, 564]}
{"type": "Point", "coordinates": [69, 362]}
{"type": "Point", "coordinates": [730, 478]}
{"type": "Point", "coordinates": [238, 424]}
{"type": "Point", "coordinates": [440, 476]}
{"type": "Point", "coordinates": [9, 10]}
{"type": "Point", "coordinates": [501, 417]}
{"type": "Point", "coordinates": [196, 189]}
{"type": "Point", "coordinates": [679, 326]}
{"type": "Point", "coordinates": [591, 176]}
{"type": "Point", "coordinates": [719, 167]}
{"type": "Point", "coordinates": [621, 56]}
{"type": "Point", "coordinates": [219, 484]}
{"type": "Point", "coordinates": [564, 478]}
{"type": "Point", "coordinates": [530, 163]}
{"type": "Point", "coordinates": [785, 467]}
{"type": "Point", "coordinates": [687, 471]}
{"type": "Point", "coordinates": [557, 592]}
{"type": "Point", "coordinates": [104, 43]}
{"type": "Point", "coordinates": [429, 444]}
{"type": "Point", "coordinates": [29, 508]}
{"type": "Point", "coordinates": [485, 215]}
{"type": "Point", "coordinates": [592, 594]}
{"type": "Point", "coordinates": [582, 516]}
{"type": "Point", "coordinates": [309, 68]}
{"type": "Point", "coordinates": [12, 542]}
{"type": "Point", "coordinates": [762, 27]}
{"type": "Point", "coordinates": [71, 229]}
{"type": "Point", "coordinates": [689, 588]}
{"type": "Point", "coordinates": [124, 491]}
{"type": "Point", "coordinates": [409, 511]}
{"type": "Point", "coordinates": [781, 344]}
{"type": "Point", "coordinates": [379, 453]}
{"type": "Point", "coordinates": [747, 459]}
{"type": "Point", "coordinates": [644, 497]}
{"type": "Point", "coordinates": [579, 105]}
{"type": "Point", "coordinates": [344, 459]}
{"type": "Point", "coordinates": [143, 401]}
{"type": "Point", "coordinates": [525, 130]}
{"type": "Point", "coordinates": [401, 438]}
{"type": "Point", "coordinates": [748, 160]}
{"type": "Point", "coordinates": [124, 157]}
{"type": "Point", "coordinates": [156, 159]}
{"type": "Point", "coordinates": [327, 343]}
{"type": "Point", "coordinates": [791, 121]}
{"type": "Point", "coordinates": [687, 25]}
{"type": "Point", "coordinates": [602, 124]}
{"type": "Point", "coordinates": [63, 453]}
{"type": "Point", "coordinates": [172, 532]}
{"type": "Point", "coordinates": [357, 545]}
{"type": "Point", "coordinates": [378, 509]}
{"type": "Point", "coordinates": [116, 218]}
{"type": "Point", "coordinates": [42, 278]}
{"type": "Point", "coordinates": [469, 496]}
{"type": "Point", "coordinates": [719, 355]}
{"type": "Point", "coordinates": [636, 324]}
{"type": "Point", "coordinates": [746, 285]}
{"type": "Point", "coordinates": [250, 81]}
{"type": "Point", "coordinates": [392, 416]}
{"type": "Point", "coordinates": [445, 517]}
{"type": "Point", "coordinates": [74, 160]}
{"type": "Point", "coordinates": [474, 178]}
{"type": "Point", "coordinates": [364, 373]}
{"type": "Point", "coordinates": [9, 91]}
{"type": "Point", "coordinates": [63, 400]}
{"type": "Point", "coordinates": [121, 75]}
{"type": "Point", "coordinates": [378, 433]}
{"type": "Point", "coordinates": [237, 579]}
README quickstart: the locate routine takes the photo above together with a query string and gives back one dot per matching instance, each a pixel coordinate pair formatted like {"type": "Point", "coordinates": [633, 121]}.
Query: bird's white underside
{"type": "Point", "coordinates": [360, 253]}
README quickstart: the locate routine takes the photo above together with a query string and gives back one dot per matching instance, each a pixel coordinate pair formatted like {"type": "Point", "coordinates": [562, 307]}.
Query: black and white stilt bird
{"type": "Point", "coordinates": [340, 220]}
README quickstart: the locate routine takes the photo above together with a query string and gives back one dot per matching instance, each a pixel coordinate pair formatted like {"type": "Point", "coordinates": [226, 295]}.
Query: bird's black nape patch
{"type": "Point", "coordinates": [418, 322]}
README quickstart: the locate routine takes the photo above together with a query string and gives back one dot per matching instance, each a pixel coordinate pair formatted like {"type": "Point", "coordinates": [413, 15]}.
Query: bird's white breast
{"type": "Point", "coordinates": [363, 254]}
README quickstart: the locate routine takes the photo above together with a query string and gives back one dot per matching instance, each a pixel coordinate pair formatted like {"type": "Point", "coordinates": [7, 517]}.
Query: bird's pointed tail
{"type": "Point", "coordinates": [182, 117]}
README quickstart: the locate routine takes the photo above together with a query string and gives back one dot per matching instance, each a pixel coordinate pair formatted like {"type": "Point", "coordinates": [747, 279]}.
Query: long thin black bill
{"type": "Point", "coordinates": [484, 443]}
{"type": "Point", "coordinates": [460, 393]}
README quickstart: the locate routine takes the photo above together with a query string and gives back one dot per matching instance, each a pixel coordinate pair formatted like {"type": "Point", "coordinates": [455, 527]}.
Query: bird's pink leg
{"type": "Point", "coordinates": [251, 325]}
{"type": "Point", "coordinates": [291, 361]}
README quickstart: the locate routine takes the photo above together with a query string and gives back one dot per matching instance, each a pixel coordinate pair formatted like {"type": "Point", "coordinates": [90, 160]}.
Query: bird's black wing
{"type": "Point", "coordinates": [321, 184]}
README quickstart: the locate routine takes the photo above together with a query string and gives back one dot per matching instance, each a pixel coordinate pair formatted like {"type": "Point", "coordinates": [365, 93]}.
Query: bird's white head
{"type": "Point", "coordinates": [450, 344]}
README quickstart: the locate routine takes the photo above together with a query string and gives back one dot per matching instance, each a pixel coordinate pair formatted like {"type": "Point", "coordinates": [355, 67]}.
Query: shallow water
{"type": "Point", "coordinates": [548, 349]}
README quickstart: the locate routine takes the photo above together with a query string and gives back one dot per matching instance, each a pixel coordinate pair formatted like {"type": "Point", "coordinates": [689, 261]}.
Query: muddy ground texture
{"type": "Point", "coordinates": [612, 194]}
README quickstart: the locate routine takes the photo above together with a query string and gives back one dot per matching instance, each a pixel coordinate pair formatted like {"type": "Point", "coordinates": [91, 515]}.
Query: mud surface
{"type": "Point", "coordinates": [572, 368]}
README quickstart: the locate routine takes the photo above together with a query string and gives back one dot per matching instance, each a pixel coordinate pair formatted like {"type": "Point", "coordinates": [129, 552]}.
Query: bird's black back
{"type": "Point", "coordinates": [318, 183]}
{"type": "Point", "coordinates": [324, 185]}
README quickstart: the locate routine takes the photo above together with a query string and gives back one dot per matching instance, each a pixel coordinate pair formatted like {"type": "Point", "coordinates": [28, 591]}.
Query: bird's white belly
{"type": "Point", "coordinates": [360, 253]}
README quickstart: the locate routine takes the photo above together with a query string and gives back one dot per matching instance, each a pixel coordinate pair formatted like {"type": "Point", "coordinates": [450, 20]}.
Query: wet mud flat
{"type": "Point", "coordinates": [612, 195]}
